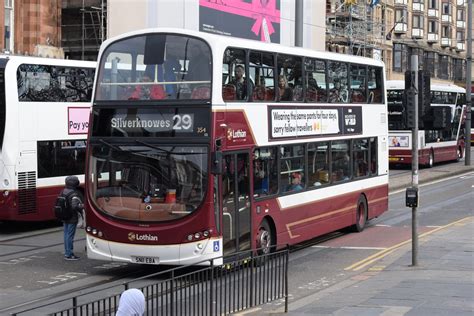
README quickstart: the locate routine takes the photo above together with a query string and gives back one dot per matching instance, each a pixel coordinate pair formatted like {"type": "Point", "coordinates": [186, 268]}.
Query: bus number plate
{"type": "Point", "coordinates": [146, 260]}
{"type": "Point", "coordinates": [393, 159]}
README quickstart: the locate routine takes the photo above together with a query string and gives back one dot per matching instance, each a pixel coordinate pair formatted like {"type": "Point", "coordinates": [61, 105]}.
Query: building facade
{"type": "Point", "coordinates": [389, 30]}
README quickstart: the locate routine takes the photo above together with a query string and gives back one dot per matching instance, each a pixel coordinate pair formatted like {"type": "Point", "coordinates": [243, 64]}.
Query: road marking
{"type": "Point", "coordinates": [380, 225]}
{"type": "Point", "coordinates": [63, 277]}
{"type": "Point", "coordinates": [434, 182]}
{"type": "Point", "coordinates": [351, 248]}
{"type": "Point", "coordinates": [396, 310]}
{"type": "Point", "coordinates": [381, 254]}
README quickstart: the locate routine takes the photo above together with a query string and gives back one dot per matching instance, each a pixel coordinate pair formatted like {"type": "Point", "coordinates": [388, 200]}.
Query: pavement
{"type": "Point", "coordinates": [442, 283]}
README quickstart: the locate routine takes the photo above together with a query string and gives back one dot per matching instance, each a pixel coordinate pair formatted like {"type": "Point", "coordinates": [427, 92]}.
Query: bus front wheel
{"type": "Point", "coordinates": [361, 215]}
{"type": "Point", "coordinates": [265, 238]}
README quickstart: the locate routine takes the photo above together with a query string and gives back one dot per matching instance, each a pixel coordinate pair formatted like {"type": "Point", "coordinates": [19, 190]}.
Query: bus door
{"type": "Point", "coordinates": [236, 202]}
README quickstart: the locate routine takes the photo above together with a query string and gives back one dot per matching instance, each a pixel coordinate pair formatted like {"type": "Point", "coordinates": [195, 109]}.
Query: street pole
{"type": "Point", "coordinates": [299, 23]}
{"type": "Point", "coordinates": [83, 30]}
{"type": "Point", "coordinates": [414, 161]}
{"type": "Point", "coordinates": [467, 160]}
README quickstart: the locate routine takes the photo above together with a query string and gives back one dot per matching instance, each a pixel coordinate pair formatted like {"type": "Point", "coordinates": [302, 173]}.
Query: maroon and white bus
{"type": "Point", "coordinates": [44, 117]}
{"type": "Point", "coordinates": [194, 151]}
{"type": "Point", "coordinates": [442, 139]}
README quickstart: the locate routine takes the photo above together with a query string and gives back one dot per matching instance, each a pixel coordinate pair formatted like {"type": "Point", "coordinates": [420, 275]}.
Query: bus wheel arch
{"type": "Point", "coordinates": [362, 214]}
{"type": "Point", "coordinates": [266, 236]}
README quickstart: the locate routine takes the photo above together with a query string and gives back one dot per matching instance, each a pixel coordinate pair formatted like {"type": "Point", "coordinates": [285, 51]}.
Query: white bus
{"type": "Point", "coordinates": [44, 117]}
{"type": "Point", "coordinates": [442, 139]}
{"type": "Point", "coordinates": [195, 151]}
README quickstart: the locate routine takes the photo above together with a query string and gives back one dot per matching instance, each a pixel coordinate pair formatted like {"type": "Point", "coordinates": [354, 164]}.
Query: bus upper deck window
{"type": "Point", "coordinates": [176, 66]}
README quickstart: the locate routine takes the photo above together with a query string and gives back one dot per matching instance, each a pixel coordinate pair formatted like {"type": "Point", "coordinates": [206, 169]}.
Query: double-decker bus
{"type": "Point", "coordinates": [442, 139]}
{"type": "Point", "coordinates": [202, 145]}
{"type": "Point", "coordinates": [44, 117]}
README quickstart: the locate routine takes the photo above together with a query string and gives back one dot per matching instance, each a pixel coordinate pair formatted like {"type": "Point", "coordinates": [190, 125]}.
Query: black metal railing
{"type": "Point", "coordinates": [243, 282]}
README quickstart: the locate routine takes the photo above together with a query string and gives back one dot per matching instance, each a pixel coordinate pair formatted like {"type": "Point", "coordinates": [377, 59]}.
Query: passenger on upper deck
{"type": "Point", "coordinates": [148, 91]}
{"type": "Point", "coordinates": [240, 82]}
{"type": "Point", "coordinates": [285, 92]}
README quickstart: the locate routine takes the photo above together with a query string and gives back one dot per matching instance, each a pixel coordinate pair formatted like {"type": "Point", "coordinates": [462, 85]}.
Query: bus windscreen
{"type": "Point", "coordinates": [152, 67]}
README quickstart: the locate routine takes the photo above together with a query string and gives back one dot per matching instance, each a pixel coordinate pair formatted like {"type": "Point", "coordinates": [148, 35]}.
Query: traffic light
{"type": "Point", "coordinates": [424, 95]}
{"type": "Point", "coordinates": [424, 98]}
{"type": "Point", "coordinates": [409, 106]}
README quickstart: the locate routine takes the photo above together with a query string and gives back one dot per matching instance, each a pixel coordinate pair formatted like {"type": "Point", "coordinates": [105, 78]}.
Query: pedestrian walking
{"type": "Point", "coordinates": [69, 206]}
{"type": "Point", "coordinates": [132, 303]}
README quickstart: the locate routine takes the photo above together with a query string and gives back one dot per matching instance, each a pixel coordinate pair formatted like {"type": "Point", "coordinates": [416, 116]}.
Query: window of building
{"type": "Point", "coordinates": [399, 57]}
{"type": "Point", "coordinates": [460, 15]}
{"type": "Point", "coordinates": [401, 16]}
{"type": "Point", "coordinates": [446, 31]}
{"type": "Point", "coordinates": [265, 170]}
{"type": "Point", "coordinates": [433, 4]}
{"type": "Point", "coordinates": [418, 21]}
{"type": "Point", "coordinates": [433, 26]}
{"type": "Point", "coordinates": [459, 69]}
{"type": "Point", "coordinates": [7, 37]}
{"type": "Point", "coordinates": [430, 61]}
{"type": "Point", "coordinates": [460, 36]}
{"type": "Point", "coordinates": [443, 70]}
{"type": "Point", "coordinates": [446, 8]}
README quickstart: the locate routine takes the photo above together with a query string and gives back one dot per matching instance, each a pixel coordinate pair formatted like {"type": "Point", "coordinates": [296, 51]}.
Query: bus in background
{"type": "Point", "coordinates": [442, 139]}
{"type": "Point", "coordinates": [202, 145]}
{"type": "Point", "coordinates": [44, 114]}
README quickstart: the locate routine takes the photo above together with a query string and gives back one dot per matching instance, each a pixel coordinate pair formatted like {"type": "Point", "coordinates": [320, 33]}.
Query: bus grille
{"type": "Point", "coordinates": [26, 192]}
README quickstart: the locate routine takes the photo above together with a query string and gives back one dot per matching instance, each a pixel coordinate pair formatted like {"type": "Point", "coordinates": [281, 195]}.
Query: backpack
{"type": "Point", "coordinates": [62, 207]}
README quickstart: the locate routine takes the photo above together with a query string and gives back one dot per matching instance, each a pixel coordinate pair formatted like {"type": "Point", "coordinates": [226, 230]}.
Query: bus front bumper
{"type": "Point", "coordinates": [177, 254]}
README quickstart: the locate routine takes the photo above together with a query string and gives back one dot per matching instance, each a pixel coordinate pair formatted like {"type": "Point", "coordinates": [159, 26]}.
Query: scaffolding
{"type": "Point", "coordinates": [354, 27]}
{"type": "Point", "coordinates": [83, 28]}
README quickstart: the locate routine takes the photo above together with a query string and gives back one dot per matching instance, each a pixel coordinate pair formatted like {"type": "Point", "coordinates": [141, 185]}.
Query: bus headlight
{"type": "Point", "coordinates": [6, 193]}
{"type": "Point", "coordinates": [88, 229]}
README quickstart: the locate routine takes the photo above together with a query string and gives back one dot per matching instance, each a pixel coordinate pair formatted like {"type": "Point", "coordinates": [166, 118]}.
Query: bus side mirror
{"type": "Point", "coordinates": [216, 162]}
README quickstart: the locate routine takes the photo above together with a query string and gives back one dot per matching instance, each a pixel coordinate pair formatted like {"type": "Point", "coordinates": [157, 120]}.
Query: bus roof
{"type": "Point", "coordinates": [400, 85]}
{"type": "Point", "coordinates": [227, 41]}
{"type": "Point", "coordinates": [17, 59]}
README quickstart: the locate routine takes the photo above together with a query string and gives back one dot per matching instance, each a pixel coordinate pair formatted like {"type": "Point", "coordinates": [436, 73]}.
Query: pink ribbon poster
{"type": "Point", "coordinates": [251, 19]}
{"type": "Point", "coordinates": [78, 120]}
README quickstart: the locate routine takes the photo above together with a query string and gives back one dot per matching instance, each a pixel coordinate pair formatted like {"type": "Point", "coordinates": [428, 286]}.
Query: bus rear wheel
{"type": "Point", "coordinates": [361, 215]}
{"type": "Point", "coordinates": [265, 240]}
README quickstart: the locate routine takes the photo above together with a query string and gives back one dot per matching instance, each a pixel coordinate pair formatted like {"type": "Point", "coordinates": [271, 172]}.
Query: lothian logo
{"type": "Point", "coordinates": [236, 134]}
{"type": "Point", "coordinates": [141, 237]}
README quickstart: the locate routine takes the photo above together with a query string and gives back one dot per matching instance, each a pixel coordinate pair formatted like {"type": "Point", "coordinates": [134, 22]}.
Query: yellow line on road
{"type": "Point", "coordinates": [379, 255]}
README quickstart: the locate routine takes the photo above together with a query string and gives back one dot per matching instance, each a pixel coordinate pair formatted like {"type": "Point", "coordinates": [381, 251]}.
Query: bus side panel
{"type": "Point", "coordinates": [306, 221]}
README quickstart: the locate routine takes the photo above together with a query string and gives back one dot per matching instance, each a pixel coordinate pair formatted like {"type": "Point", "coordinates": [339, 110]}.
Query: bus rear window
{"type": "Point", "coordinates": [155, 67]}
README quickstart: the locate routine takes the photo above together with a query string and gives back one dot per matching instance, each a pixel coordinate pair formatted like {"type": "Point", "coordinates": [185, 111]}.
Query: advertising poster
{"type": "Point", "coordinates": [78, 120]}
{"type": "Point", "coordinates": [250, 19]}
{"type": "Point", "coordinates": [310, 122]}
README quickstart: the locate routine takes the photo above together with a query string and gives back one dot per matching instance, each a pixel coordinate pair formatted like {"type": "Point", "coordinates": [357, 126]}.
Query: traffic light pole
{"type": "Point", "coordinates": [414, 161]}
